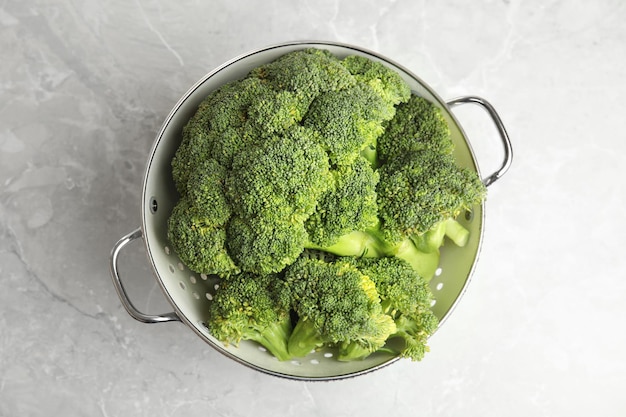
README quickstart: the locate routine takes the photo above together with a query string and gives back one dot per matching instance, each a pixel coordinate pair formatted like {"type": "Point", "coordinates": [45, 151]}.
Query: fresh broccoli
{"type": "Point", "coordinates": [279, 179]}
{"type": "Point", "coordinates": [348, 121]}
{"type": "Point", "coordinates": [316, 154]}
{"type": "Point", "coordinates": [405, 297]}
{"type": "Point", "coordinates": [348, 205]}
{"type": "Point", "coordinates": [335, 303]}
{"type": "Point", "coordinates": [307, 73]}
{"type": "Point", "coordinates": [199, 242]}
{"type": "Point", "coordinates": [418, 124]}
{"type": "Point", "coordinates": [220, 128]}
{"type": "Point", "coordinates": [387, 83]}
{"type": "Point", "coordinates": [273, 188]}
{"type": "Point", "coordinates": [246, 307]}
{"type": "Point", "coordinates": [419, 189]}
{"type": "Point", "coordinates": [262, 246]}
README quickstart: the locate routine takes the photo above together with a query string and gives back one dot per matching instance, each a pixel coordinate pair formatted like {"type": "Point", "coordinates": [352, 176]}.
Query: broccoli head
{"type": "Point", "coordinates": [246, 308]}
{"type": "Point", "coordinates": [263, 246]}
{"type": "Point", "coordinates": [418, 124]}
{"type": "Point", "coordinates": [348, 121]}
{"type": "Point", "coordinates": [422, 188]}
{"type": "Point", "coordinates": [280, 179]}
{"type": "Point", "coordinates": [386, 82]}
{"type": "Point", "coordinates": [347, 206]}
{"type": "Point", "coordinates": [307, 73]}
{"type": "Point", "coordinates": [405, 297]}
{"type": "Point", "coordinates": [199, 241]}
{"type": "Point", "coordinates": [335, 303]}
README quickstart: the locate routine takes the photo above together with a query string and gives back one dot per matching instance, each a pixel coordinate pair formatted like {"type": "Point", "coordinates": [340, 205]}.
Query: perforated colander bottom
{"type": "Point", "coordinates": [190, 293]}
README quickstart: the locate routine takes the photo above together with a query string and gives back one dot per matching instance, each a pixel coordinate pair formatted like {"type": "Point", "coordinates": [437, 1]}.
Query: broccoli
{"type": "Point", "coordinates": [348, 121]}
{"type": "Point", "coordinates": [280, 178]}
{"type": "Point", "coordinates": [419, 189]}
{"type": "Point", "coordinates": [199, 243]}
{"type": "Point", "coordinates": [196, 227]}
{"type": "Point", "coordinates": [264, 246]}
{"type": "Point", "coordinates": [348, 205]}
{"type": "Point", "coordinates": [247, 307]}
{"type": "Point", "coordinates": [418, 124]}
{"type": "Point", "coordinates": [387, 83]}
{"type": "Point", "coordinates": [405, 297]}
{"type": "Point", "coordinates": [307, 73]}
{"type": "Point", "coordinates": [313, 154]}
{"type": "Point", "coordinates": [335, 303]}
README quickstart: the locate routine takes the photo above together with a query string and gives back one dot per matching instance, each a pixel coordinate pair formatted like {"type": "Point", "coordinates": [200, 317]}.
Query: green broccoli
{"type": "Point", "coordinates": [246, 307]}
{"type": "Point", "coordinates": [335, 303]}
{"type": "Point", "coordinates": [262, 246]}
{"type": "Point", "coordinates": [348, 121]}
{"type": "Point", "coordinates": [312, 154]}
{"type": "Point", "coordinates": [307, 73]}
{"type": "Point", "coordinates": [422, 188]}
{"type": "Point", "coordinates": [386, 82]}
{"type": "Point", "coordinates": [273, 188]}
{"type": "Point", "coordinates": [348, 205]}
{"type": "Point", "coordinates": [220, 128]}
{"type": "Point", "coordinates": [405, 297]}
{"type": "Point", "coordinates": [280, 178]}
{"type": "Point", "coordinates": [418, 124]}
{"type": "Point", "coordinates": [199, 241]}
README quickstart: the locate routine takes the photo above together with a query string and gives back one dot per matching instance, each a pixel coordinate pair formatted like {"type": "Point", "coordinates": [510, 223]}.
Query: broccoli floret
{"type": "Point", "coordinates": [405, 297]}
{"type": "Point", "coordinates": [307, 73]}
{"type": "Point", "coordinates": [386, 82]}
{"type": "Point", "coordinates": [220, 128]}
{"type": "Point", "coordinates": [349, 205]}
{"type": "Point", "coordinates": [335, 303]}
{"type": "Point", "coordinates": [263, 246]}
{"type": "Point", "coordinates": [418, 124]}
{"type": "Point", "coordinates": [205, 191]}
{"type": "Point", "coordinates": [422, 188]}
{"type": "Point", "coordinates": [246, 307]}
{"type": "Point", "coordinates": [280, 179]}
{"type": "Point", "coordinates": [348, 121]}
{"type": "Point", "coordinates": [199, 241]}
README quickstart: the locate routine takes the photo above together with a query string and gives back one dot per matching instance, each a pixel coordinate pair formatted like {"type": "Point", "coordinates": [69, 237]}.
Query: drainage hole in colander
{"type": "Point", "coordinates": [438, 272]}
{"type": "Point", "coordinates": [297, 363]}
{"type": "Point", "coordinates": [469, 215]}
{"type": "Point", "coordinates": [209, 296]}
{"type": "Point", "coordinates": [439, 286]}
{"type": "Point", "coordinates": [167, 250]}
{"type": "Point", "coordinates": [153, 205]}
{"type": "Point", "coordinates": [195, 295]}
{"type": "Point", "coordinates": [204, 277]}
{"type": "Point", "coordinates": [433, 302]}
{"type": "Point", "coordinates": [192, 279]}
{"type": "Point", "coordinates": [314, 362]}
{"type": "Point", "coordinates": [328, 355]}
{"type": "Point", "coordinates": [172, 269]}
{"type": "Point", "coordinates": [182, 285]}
{"type": "Point", "coordinates": [181, 266]}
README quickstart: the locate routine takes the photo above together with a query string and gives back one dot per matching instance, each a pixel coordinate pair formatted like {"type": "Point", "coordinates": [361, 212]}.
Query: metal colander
{"type": "Point", "coordinates": [190, 293]}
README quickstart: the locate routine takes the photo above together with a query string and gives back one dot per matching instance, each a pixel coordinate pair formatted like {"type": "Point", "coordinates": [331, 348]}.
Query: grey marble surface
{"type": "Point", "coordinates": [84, 88]}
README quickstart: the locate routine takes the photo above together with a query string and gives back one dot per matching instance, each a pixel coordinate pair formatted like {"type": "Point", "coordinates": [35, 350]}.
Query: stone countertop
{"type": "Point", "coordinates": [84, 88]}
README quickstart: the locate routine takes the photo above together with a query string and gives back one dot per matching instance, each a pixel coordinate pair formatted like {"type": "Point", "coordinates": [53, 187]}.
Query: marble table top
{"type": "Point", "coordinates": [84, 88]}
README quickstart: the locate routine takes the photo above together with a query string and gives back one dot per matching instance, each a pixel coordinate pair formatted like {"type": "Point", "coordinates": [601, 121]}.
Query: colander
{"type": "Point", "coordinates": [190, 293]}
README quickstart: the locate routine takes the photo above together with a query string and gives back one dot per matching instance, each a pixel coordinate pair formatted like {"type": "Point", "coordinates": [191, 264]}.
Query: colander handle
{"type": "Point", "coordinates": [121, 292]}
{"type": "Point", "coordinates": [504, 136]}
